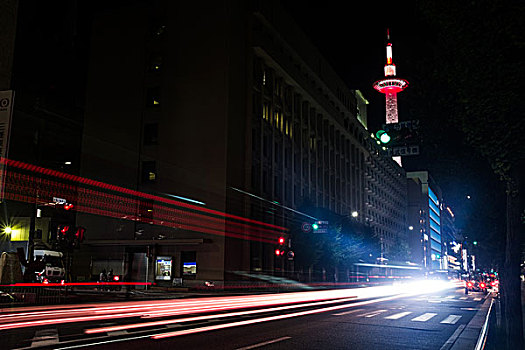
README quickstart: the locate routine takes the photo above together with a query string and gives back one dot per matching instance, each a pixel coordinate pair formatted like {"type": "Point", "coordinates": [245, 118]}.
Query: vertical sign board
{"type": "Point", "coordinates": [6, 112]}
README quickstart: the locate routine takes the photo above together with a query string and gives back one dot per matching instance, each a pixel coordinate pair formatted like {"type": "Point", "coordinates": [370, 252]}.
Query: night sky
{"type": "Point", "coordinates": [352, 38]}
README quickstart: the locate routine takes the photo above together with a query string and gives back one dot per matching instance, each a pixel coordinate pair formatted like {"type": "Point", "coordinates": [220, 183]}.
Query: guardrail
{"type": "Point", "coordinates": [52, 293]}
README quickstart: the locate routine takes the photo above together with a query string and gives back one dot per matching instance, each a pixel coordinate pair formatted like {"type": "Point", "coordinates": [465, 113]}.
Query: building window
{"type": "Point", "coordinates": [153, 97]}
{"type": "Point", "coordinates": [151, 134]}
{"type": "Point", "coordinates": [149, 171]}
{"type": "Point", "coordinates": [158, 29]}
{"type": "Point", "coordinates": [155, 63]}
{"type": "Point", "coordinates": [189, 264]}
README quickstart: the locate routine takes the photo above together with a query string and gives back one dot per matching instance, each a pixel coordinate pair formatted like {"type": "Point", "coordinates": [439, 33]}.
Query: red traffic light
{"type": "Point", "coordinates": [277, 252]}
{"type": "Point", "coordinates": [281, 240]}
{"type": "Point", "coordinates": [79, 234]}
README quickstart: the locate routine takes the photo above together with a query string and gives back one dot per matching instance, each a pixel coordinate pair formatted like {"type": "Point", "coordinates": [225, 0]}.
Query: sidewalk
{"type": "Point", "coordinates": [469, 335]}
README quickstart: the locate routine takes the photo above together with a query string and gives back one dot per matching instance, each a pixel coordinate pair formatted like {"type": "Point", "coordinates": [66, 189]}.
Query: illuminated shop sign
{"type": "Point", "coordinates": [163, 268]}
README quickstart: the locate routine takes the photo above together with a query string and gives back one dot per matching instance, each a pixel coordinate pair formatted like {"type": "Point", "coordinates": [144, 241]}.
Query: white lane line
{"type": "Point", "coordinates": [453, 338]}
{"type": "Point", "coordinates": [398, 316]}
{"type": "Point", "coordinates": [424, 317]}
{"type": "Point", "coordinates": [347, 312]}
{"type": "Point", "coordinates": [45, 337]}
{"type": "Point", "coordinates": [372, 314]}
{"type": "Point", "coordinates": [451, 319]}
{"type": "Point", "coordinates": [450, 297]}
{"type": "Point", "coordinates": [463, 298]}
{"type": "Point", "coordinates": [118, 333]}
{"type": "Point", "coordinates": [477, 299]}
{"type": "Point", "coordinates": [270, 318]}
{"type": "Point", "coordinates": [264, 343]}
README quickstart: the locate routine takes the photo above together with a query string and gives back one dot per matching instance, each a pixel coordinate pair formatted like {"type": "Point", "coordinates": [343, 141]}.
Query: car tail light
{"type": "Point", "coordinates": [482, 285]}
{"type": "Point", "coordinates": [116, 278]}
{"type": "Point", "coordinates": [469, 284]}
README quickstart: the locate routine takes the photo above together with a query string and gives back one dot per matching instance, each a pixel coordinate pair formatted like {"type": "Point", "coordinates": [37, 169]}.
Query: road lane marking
{"type": "Point", "coordinates": [477, 299]}
{"type": "Point", "coordinates": [451, 319]}
{"type": "Point", "coordinates": [453, 338]}
{"type": "Point", "coordinates": [264, 343]}
{"type": "Point", "coordinates": [272, 318]}
{"type": "Point", "coordinates": [372, 314]}
{"type": "Point", "coordinates": [463, 298]}
{"type": "Point", "coordinates": [450, 297]}
{"type": "Point", "coordinates": [347, 312]}
{"type": "Point", "coordinates": [45, 337]}
{"type": "Point", "coordinates": [118, 333]}
{"type": "Point", "coordinates": [424, 317]}
{"type": "Point", "coordinates": [398, 316]}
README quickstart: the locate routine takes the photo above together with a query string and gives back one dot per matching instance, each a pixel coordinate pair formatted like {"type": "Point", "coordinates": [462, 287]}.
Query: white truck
{"type": "Point", "coordinates": [51, 266]}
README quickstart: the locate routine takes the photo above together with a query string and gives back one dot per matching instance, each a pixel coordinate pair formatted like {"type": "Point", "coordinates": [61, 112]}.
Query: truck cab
{"type": "Point", "coordinates": [52, 265]}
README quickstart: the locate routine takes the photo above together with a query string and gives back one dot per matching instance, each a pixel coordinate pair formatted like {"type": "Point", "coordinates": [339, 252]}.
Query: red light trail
{"type": "Point", "coordinates": [26, 182]}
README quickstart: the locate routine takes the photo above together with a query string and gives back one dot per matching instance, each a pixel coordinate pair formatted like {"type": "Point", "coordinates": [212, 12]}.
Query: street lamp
{"type": "Point", "coordinates": [8, 230]}
{"type": "Point", "coordinates": [355, 214]}
{"type": "Point", "coordinates": [410, 228]}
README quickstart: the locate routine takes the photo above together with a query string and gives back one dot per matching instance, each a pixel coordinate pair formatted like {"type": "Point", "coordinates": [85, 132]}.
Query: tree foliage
{"type": "Point", "coordinates": [477, 55]}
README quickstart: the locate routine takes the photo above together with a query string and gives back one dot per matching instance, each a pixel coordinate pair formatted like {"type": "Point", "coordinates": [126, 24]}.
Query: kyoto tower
{"type": "Point", "coordinates": [390, 86]}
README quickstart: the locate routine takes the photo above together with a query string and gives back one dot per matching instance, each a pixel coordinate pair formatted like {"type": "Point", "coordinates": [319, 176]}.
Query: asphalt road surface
{"type": "Point", "coordinates": [427, 321]}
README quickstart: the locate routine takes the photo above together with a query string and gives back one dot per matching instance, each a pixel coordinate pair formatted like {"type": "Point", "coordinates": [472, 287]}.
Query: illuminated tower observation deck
{"type": "Point", "coordinates": [391, 85]}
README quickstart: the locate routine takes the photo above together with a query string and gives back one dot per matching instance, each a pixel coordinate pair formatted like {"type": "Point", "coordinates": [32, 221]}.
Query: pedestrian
{"type": "Point", "coordinates": [110, 278]}
{"type": "Point", "coordinates": [102, 278]}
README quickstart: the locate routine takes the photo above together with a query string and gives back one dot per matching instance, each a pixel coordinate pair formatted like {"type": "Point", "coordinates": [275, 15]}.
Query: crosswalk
{"type": "Point", "coordinates": [424, 317]}
{"type": "Point", "coordinates": [451, 298]}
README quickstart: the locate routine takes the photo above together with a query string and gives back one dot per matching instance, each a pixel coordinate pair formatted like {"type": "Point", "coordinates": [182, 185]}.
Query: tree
{"type": "Point", "coordinates": [478, 64]}
{"type": "Point", "coordinates": [347, 241]}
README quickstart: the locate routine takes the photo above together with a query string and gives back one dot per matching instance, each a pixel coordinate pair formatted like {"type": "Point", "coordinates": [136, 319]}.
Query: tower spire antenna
{"type": "Point", "coordinates": [391, 86]}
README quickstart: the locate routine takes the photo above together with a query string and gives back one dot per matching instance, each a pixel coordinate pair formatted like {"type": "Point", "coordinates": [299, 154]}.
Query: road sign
{"type": "Point", "coordinates": [409, 124]}
{"type": "Point", "coordinates": [403, 151]}
{"type": "Point", "coordinates": [322, 226]}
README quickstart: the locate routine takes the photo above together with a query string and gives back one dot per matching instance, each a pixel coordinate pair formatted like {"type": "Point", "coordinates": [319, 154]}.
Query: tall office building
{"type": "Point", "coordinates": [424, 216]}
{"type": "Point", "coordinates": [205, 129]}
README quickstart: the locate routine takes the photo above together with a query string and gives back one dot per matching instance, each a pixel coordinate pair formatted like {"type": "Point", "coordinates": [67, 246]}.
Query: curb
{"type": "Point", "coordinates": [474, 334]}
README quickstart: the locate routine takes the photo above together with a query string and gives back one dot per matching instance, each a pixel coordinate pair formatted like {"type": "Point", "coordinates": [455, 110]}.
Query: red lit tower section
{"type": "Point", "coordinates": [390, 86]}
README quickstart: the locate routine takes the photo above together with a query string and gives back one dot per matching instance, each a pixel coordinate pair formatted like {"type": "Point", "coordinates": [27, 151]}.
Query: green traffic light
{"type": "Point", "coordinates": [475, 243]}
{"type": "Point", "coordinates": [385, 138]}
{"type": "Point", "coordinates": [315, 226]}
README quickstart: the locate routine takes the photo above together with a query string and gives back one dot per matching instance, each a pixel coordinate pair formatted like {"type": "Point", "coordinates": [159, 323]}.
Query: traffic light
{"type": "Point", "coordinates": [80, 234]}
{"type": "Point", "coordinates": [383, 137]}
{"type": "Point", "coordinates": [320, 226]}
{"type": "Point", "coordinates": [64, 206]}
{"type": "Point", "coordinates": [397, 137]}
{"type": "Point", "coordinates": [280, 250]}
{"type": "Point", "coordinates": [70, 236]}
{"type": "Point", "coordinates": [63, 232]}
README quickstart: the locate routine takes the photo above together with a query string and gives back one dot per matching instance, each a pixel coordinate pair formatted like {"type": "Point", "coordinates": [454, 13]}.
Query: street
{"type": "Point", "coordinates": [340, 319]}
